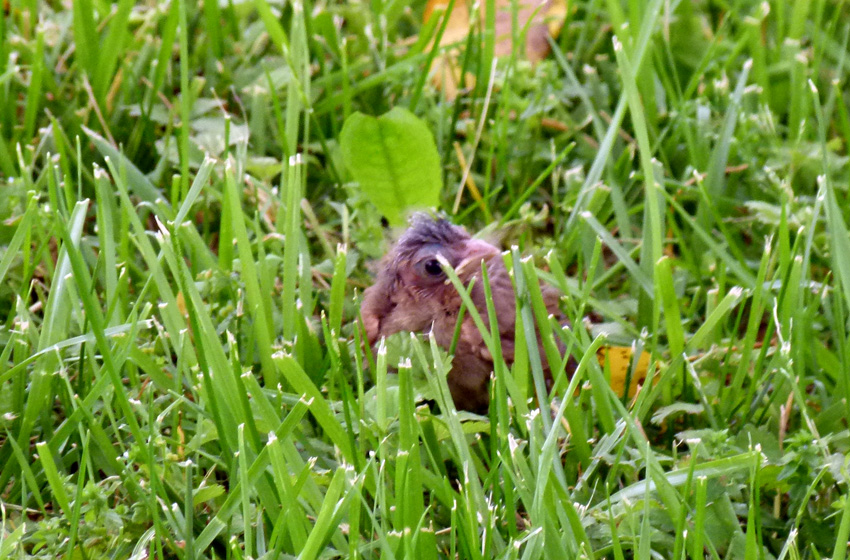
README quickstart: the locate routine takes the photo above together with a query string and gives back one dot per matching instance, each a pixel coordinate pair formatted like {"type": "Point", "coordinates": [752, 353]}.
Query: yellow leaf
{"type": "Point", "coordinates": [619, 359]}
{"type": "Point", "coordinates": [543, 18]}
{"type": "Point", "coordinates": [181, 305]}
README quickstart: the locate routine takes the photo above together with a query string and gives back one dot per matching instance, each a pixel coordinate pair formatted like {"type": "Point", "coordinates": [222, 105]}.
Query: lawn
{"type": "Point", "coordinates": [188, 222]}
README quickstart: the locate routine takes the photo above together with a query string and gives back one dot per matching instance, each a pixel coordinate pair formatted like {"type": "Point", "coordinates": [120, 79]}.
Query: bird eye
{"type": "Point", "coordinates": [432, 267]}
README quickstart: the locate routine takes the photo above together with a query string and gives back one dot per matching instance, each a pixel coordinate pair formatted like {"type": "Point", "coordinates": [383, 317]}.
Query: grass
{"type": "Point", "coordinates": [183, 250]}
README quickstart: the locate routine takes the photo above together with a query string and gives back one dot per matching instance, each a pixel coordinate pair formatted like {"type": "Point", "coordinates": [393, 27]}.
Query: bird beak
{"type": "Point", "coordinates": [475, 252]}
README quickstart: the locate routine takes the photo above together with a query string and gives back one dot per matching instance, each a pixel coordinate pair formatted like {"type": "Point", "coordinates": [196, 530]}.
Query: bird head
{"type": "Point", "coordinates": [412, 289]}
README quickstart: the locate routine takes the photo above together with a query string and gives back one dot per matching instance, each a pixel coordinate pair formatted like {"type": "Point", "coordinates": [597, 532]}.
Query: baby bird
{"type": "Point", "coordinates": [412, 293]}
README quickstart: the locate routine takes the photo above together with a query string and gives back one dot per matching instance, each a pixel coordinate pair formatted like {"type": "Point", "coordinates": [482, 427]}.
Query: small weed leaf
{"type": "Point", "coordinates": [395, 160]}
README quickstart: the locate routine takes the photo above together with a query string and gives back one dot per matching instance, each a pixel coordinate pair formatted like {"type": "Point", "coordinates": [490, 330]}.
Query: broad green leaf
{"type": "Point", "coordinates": [395, 160]}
